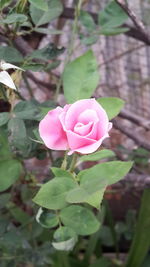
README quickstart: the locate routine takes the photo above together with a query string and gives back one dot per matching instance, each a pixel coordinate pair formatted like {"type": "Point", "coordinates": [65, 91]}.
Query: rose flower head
{"type": "Point", "coordinates": [79, 127]}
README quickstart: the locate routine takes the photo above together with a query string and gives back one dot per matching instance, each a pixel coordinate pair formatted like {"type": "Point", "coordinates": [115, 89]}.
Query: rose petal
{"type": "Point", "coordinates": [51, 130]}
{"type": "Point", "coordinates": [89, 148]}
{"type": "Point", "coordinates": [89, 115]}
{"type": "Point", "coordinates": [82, 129]}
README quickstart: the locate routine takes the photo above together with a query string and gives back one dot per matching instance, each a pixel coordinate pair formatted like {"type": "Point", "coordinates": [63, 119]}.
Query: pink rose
{"type": "Point", "coordinates": [79, 127]}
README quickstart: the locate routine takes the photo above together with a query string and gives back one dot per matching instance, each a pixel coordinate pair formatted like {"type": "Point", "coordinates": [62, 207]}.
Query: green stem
{"type": "Point", "coordinates": [110, 220]}
{"type": "Point", "coordinates": [73, 162]}
{"type": "Point", "coordinates": [27, 84]}
{"type": "Point", "coordinates": [71, 44]}
{"type": "Point", "coordinates": [94, 238]}
{"type": "Point", "coordinates": [64, 163]}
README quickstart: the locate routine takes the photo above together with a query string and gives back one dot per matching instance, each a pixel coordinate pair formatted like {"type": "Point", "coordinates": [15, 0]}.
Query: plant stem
{"type": "Point", "coordinates": [94, 238]}
{"type": "Point", "coordinates": [71, 44]}
{"type": "Point", "coordinates": [27, 84]}
{"type": "Point", "coordinates": [64, 163]}
{"type": "Point", "coordinates": [73, 162]}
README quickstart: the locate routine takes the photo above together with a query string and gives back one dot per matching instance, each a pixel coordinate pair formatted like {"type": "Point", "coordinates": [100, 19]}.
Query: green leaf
{"type": "Point", "coordinates": [26, 110]}
{"type": "Point", "coordinates": [111, 171]}
{"type": "Point", "coordinates": [92, 39]}
{"type": "Point", "coordinates": [61, 173]}
{"type": "Point", "coordinates": [112, 105]}
{"type": "Point", "coordinates": [48, 52]}
{"type": "Point", "coordinates": [4, 118]}
{"type": "Point", "coordinates": [80, 219]}
{"type": "Point", "coordinates": [4, 199]}
{"type": "Point", "coordinates": [87, 20]}
{"type": "Point", "coordinates": [40, 17]}
{"type": "Point", "coordinates": [34, 66]}
{"type": "Point", "coordinates": [52, 195]}
{"type": "Point", "coordinates": [17, 132]}
{"type": "Point", "coordinates": [40, 4]}
{"type": "Point", "coordinates": [10, 54]}
{"type": "Point", "coordinates": [47, 219]}
{"type": "Point", "coordinates": [47, 31]}
{"type": "Point", "coordinates": [102, 154]}
{"type": "Point", "coordinates": [82, 195]}
{"type": "Point", "coordinates": [112, 15]}
{"type": "Point", "coordinates": [14, 18]}
{"type": "Point", "coordinates": [4, 3]}
{"type": "Point", "coordinates": [141, 241]}
{"type": "Point", "coordinates": [10, 171]}
{"type": "Point", "coordinates": [101, 262]}
{"type": "Point", "coordinates": [65, 239]}
{"type": "Point", "coordinates": [80, 77]}
{"type": "Point", "coordinates": [5, 152]}
{"type": "Point", "coordinates": [113, 31]}
{"type": "Point", "coordinates": [18, 213]}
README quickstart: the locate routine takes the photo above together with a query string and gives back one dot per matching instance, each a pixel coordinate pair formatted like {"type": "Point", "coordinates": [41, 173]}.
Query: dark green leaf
{"type": "Point", "coordinates": [112, 105]}
{"type": "Point", "coordinates": [17, 131]}
{"type": "Point", "coordinates": [10, 54]}
{"type": "Point", "coordinates": [4, 199]}
{"type": "Point", "coordinates": [80, 77]}
{"type": "Point", "coordinates": [40, 4]}
{"type": "Point", "coordinates": [52, 195]}
{"type": "Point", "coordinates": [4, 146]}
{"type": "Point", "coordinates": [48, 52]}
{"type": "Point", "coordinates": [40, 17]}
{"type": "Point", "coordinates": [141, 241]}
{"type": "Point", "coordinates": [19, 215]}
{"type": "Point", "coordinates": [80, 219]}
{"type": "Point", "coordinates": [102, 154]}
{"type": "Point", "coordinates": [4, 118]}
{"type": "Point", "coordinates": [34, 66]}
{"type": "Point", "coordinates": [10, 171]}
{"type": "Point", "coordinates": [26, 110]}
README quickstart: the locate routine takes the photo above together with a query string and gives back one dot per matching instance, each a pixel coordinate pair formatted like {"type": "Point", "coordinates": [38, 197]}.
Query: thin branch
{"type": "Point", "coordinates": [131, 134]}
{"type": "Point", "coordinates": [135, 119]}
{"type": "Point", "coordinates": [137, 22]}
{"type": "Point", "coordinates": [133, 32]}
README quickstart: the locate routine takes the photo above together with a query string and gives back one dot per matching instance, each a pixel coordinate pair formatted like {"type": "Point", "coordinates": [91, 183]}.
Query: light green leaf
{"type": "Point", "coordinates": [65, 239]}
{"type": "Point", "coordinates": [40, 4]}
{"type": "Point", "coordinates": [52, 195]}
{"type": "Point", "coordinates": [80, 219]}
{"type": "Point", "coordinates": [10, 171]}
{"type": "Point", "coordinates": [102, 154]}
{"type": "Point", "coordinates": [14, 18]}
{"type": "Point", "coordinates": [87, 20]}
{"type": "Point", "coordinates": [80, 77]}
{"type": "Point", "coordinates": [47, 31]}
{"type": "Point", "coordinates": [112, 105]}
{"type": "Point", "coordinates": [111, 171]}
{"type": "Point", "coordinates": [46, 218]}
{"type": "Point", "coordinates": [4, 118]}
{"type": "Point", "coordinates": [112, 15]}
{"type": "Point", "coordinates": [113, 31]}
{"type": "Point", "coordinates": [10, 54]}
{"type": "Point", "coordinates": [40, 17]}
{"type": "Point", "coordinates": [61, 173]}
